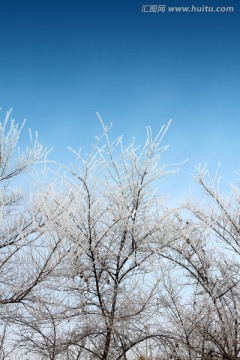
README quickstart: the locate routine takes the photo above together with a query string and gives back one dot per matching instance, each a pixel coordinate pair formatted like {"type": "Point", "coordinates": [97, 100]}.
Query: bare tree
{"type": "Point", "coordinates": [113, 223]}
{"type": "Point", "coordinates": [26, 255]}
{"type": "Point", "coordinates": [95, 266]}
{"type": "Point", "coordinates": [205, 254]}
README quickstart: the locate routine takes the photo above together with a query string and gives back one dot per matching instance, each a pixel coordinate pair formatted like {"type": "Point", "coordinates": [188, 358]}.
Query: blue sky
{"type": "Point", "coordinates": [61, 61]}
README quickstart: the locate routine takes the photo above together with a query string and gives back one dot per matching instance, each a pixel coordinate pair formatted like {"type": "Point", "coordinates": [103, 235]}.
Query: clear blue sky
{"type": "Point", "coordinates": [61, 61]}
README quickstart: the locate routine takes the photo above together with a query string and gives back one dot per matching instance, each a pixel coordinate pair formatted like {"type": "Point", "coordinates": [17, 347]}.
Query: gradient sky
{"type": "Point", "coordinates": [61, 61]}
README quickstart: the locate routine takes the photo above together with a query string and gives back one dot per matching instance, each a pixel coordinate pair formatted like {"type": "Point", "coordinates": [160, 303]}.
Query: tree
{"type": "Point", "coordinates": [25, 257]}
{"type": "Point", "coordinates": [94, 265]}
{"type": "Point", "coordinates": [113, 223]}
{"type": "Point", "coordinates": [206, 253]}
